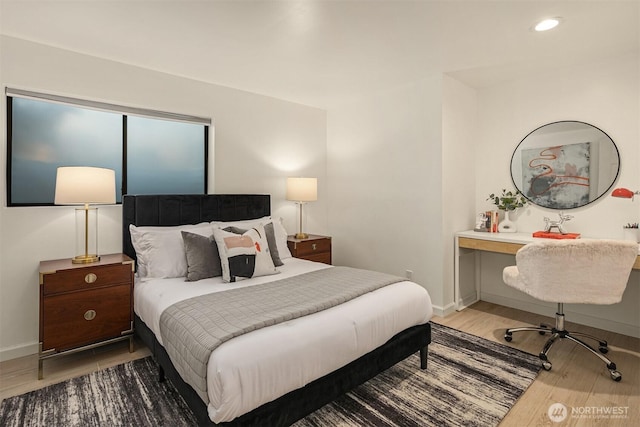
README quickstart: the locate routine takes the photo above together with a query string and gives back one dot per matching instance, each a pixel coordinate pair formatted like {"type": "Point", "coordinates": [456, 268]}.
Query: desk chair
{"type": "Point", "coordinates": [572, 271]}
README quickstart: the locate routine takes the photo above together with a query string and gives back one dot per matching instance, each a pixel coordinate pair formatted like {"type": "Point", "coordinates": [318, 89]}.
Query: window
{"type": "Point", "coordinates": [151, 152]}
{"type": "Point", "coordinates": [164, 157]}
{"type": "Point", "coordinates": [45, 135]}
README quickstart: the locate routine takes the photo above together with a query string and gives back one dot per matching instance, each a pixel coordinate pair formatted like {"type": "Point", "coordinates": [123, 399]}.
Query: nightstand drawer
{"type": "Point", "coordinates": [79, 318]}
{"type": "Point", "coordinates": [324, 257]}
{"type": "Point", "coordinates": [83, 306]}
{"type": "Point", "coordinates": [85, 278]}
{"type": "Point", "coordinates": [312, 247]}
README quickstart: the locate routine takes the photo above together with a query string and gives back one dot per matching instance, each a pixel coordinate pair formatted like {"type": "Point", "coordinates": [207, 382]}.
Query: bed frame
{"type": "Point", "coordinates": [171, 210]}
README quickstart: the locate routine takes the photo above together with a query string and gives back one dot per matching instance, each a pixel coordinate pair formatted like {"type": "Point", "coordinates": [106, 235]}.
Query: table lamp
{"type": "Point", "coordinates": [81, 185]}
{"type": "Point", "coordinates": [302, 190]}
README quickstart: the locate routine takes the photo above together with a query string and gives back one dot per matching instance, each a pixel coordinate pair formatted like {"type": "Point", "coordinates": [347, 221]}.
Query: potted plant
{"type": "Point", "coordinates": [508, 201]}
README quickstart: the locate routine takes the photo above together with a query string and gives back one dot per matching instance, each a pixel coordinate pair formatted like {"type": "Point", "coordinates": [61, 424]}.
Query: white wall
{"type": "Point", "coordinates": [399, 171]}
{"type": "Point", "coordinates": [605, 94]}
{"type": "Point", "coordinates": [385, 183]}
{"type": "Point", "coordinates": [459, 147]}
{"type": "Point", "coordinates": [256, 142]}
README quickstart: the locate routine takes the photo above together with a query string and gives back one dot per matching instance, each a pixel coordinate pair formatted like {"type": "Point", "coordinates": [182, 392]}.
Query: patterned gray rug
{"type": "Point", "coordinates": [469, 381]}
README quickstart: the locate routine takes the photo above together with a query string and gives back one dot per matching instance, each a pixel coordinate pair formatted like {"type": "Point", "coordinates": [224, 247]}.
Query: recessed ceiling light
{"type": "Point", "coordinates": [547, 24]}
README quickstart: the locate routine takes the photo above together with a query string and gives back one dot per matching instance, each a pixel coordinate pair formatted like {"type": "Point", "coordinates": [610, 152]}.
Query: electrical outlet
{"type": "Point", "coordinates": [409, 274]}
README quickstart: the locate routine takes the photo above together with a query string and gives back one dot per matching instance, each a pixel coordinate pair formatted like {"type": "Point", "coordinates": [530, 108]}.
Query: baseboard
{"type": "Point", "coordinates": [18, 351]}
{"type": "Point", "coordinates": [444, 311]}
{"type": "Point", "coordinates": [468, 300]}
{"type": "Point", "coordinates": [548, 309]}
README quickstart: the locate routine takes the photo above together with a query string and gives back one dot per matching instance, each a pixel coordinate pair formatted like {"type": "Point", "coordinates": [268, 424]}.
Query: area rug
{"type": "Point", "coordinates": [469, 381]}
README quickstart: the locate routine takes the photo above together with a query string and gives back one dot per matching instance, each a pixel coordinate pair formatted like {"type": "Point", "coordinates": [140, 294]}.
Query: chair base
{"type": "Point", "coordinates": [560, 332]}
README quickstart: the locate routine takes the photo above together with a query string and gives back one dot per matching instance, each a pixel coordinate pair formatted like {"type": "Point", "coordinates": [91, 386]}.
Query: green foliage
{"type": "Point", "coordinates": [508, 201]}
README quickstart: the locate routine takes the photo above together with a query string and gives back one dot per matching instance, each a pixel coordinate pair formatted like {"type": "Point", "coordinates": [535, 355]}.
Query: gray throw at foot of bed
{"type": "Point", "coordinates": [469, 381]}
{"type": "Point", "coordinates": [191, 329]}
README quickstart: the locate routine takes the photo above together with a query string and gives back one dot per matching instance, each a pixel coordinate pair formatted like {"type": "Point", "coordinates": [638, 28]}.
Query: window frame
{"type": "Point", "coordinates": [124, 111]}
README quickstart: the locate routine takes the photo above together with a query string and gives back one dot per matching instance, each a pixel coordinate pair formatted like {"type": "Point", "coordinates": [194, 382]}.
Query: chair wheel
{"type": "Point", "coordinates": [541, 332]}
{"type": "Point", "coordinates": [603, 350]}
{"type": "Point", "coordinates": [547, 366]}
{"type": "Point", "coordinates": [616, 376]}
{"type": "Point", "coordinates": [508, 337]}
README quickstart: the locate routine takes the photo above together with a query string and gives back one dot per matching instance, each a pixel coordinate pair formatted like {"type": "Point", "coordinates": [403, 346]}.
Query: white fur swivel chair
{"type": "Point", "coordinates": [583, 271]}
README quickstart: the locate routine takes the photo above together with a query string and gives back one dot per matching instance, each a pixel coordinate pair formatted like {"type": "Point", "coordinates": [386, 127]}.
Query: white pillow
{"type": "Point", "coordinates": [281, 238]}
{"type": "Point", "coordinates": [279, 230]}
{"type": "Point", "coordinates": [160, 250]}
{"type": "Point", "coordinates": [244, 256]}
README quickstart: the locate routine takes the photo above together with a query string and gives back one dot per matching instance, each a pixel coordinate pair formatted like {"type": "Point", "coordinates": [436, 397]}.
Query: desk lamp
{"type": "Point", "coordinates": [302, 190]}
{"type": "Point", "coordinates": [80, 185]}
{"type": "Point", "coordinates": [624, 193]}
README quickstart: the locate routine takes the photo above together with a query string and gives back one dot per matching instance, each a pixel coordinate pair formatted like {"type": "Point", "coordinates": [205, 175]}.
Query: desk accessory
{"type": "Point", "coordinates": [552, 235]}
{"type": "Point", "coordinates": [559, 223]}
{"type": "Point", "coordinates": [508, 201]}
{"type": "Point", "coordinates": [624, 193]}
{"type": "Point", "coordinates": [632, 232]}
{"type": "Point", "coordinates": [481, 222]}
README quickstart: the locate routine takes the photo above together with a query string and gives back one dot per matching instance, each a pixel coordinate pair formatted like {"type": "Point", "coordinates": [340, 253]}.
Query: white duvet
{"type": "Point", "coordinates": [263, 365]}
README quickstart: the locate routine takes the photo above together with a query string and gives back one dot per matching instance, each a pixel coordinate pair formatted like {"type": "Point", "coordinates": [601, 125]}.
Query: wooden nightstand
{"type": "Point", "coordinates": [314, 248]}
{"type": "Point", "coordinates": [83, 306]}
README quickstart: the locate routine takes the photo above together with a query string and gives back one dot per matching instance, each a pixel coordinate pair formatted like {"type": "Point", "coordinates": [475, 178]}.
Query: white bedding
{"type": "Point", "coordinates": [263, 365]}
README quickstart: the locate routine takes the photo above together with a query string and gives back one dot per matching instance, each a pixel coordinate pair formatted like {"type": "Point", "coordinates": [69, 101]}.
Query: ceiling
{"type": "Point", "coordinates": [321, 52]}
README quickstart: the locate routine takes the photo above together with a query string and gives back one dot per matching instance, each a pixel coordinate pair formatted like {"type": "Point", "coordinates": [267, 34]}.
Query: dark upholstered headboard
{"type": "Point", "coordinates": [169, 210]}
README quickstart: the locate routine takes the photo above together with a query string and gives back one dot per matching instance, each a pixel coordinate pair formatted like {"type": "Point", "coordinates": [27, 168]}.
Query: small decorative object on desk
{"type": "Point", "coordinates": [552, 235]}
{"type": "Point", "coordinates": [550, 224]}
{"type": "Point", "coordinates": [632, 232]}
{"type": "Point", "coordinates": [481, 222]}
{"type": "Point", "coordinates": [494, 221]}
{"type": "Point", "coordinates": [508, 201]}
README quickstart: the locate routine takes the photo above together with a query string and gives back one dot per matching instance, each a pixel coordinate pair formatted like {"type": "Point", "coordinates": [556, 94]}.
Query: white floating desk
{"type": "Point", "coordinates": [504, 243]}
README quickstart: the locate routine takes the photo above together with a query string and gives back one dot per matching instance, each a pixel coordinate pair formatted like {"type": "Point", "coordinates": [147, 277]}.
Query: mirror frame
{"type": "Point", "coordinates": [579, 150]}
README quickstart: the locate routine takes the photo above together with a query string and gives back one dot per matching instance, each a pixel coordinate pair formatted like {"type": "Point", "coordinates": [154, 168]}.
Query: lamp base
{"type": "Point", "coordinates": [302, 236]}
{"type": "Point", "coordinates": [85, 259]}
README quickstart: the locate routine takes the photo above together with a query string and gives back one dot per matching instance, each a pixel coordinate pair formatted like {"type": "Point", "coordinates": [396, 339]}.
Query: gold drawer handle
{"type": "Point", "coordinates": [90, 315]}
{"type": "Point", "coordinates": [314, 246]}
{"type": "Point", "coordinates": [90, 278]}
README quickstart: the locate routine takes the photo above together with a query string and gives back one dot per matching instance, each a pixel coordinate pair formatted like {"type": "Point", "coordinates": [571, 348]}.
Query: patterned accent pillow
{"type": "Point", "coordinates": [244, 255]}
{"type": "Point", "coordinates": [280, 234]}
{"type": "Point", "coordinates": [271, 240]}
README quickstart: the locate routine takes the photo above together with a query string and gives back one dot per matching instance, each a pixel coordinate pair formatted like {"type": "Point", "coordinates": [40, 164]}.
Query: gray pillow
{"type": "Point", "coordinates": [203, 259]}
{"type": "Point", "coordinates": [270, 233]}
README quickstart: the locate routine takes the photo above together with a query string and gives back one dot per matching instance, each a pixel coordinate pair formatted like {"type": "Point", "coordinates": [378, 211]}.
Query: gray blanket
{"type": "Point", "coordinates": [193, 328]}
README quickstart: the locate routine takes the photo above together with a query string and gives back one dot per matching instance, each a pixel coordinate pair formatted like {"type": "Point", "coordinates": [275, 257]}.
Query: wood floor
{"type": "Point", "coordinates": [578, 380]}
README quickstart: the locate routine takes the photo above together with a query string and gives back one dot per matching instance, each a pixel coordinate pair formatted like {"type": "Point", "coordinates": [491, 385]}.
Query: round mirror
{"type": "Point", "coordinates": [565, 165]}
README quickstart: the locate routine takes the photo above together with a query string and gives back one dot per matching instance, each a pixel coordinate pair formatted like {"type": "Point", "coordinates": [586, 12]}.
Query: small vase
{"type": "Point", "coordinates": [506, 225]}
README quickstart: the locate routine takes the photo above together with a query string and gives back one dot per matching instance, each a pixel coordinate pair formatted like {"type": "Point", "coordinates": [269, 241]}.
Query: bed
{"type": "Point", "coordinates": [318, 376]}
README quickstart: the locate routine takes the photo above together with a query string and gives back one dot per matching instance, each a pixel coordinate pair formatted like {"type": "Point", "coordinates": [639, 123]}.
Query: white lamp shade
{"type": "Point", "coordinates": [302, 189]}
{"type": "Point", "coordinates": [79, 185]}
